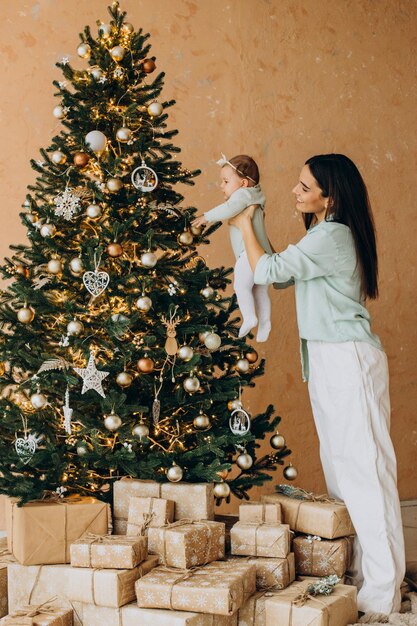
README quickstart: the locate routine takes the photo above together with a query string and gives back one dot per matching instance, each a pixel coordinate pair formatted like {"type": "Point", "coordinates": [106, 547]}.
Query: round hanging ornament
{"type": "Point", "coordinates": [144, 178]}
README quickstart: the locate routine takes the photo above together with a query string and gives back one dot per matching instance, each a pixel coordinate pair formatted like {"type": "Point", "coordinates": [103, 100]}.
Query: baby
{"type": "Point", "coordinates": [240, 185]}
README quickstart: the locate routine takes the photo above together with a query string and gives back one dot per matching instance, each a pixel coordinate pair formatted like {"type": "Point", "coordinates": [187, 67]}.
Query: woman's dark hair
{"type": "Point", "coordinates": [246, 167]}
{"type": "Point", "coordinates": [339, 179]}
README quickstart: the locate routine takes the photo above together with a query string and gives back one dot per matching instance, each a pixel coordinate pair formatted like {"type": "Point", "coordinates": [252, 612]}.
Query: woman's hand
{"type": "Point", "coordinates": [244, 217]}
{"type": "Point", "coordinates": [199, 221]}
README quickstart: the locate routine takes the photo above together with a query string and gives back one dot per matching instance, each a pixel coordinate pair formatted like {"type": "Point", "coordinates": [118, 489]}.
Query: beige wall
{"type": "Point", "coordinates": [281, 80]}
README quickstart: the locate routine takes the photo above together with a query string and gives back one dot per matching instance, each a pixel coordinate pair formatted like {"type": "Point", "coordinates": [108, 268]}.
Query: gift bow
{"type": "Point", "coordinates": [223, 160]}
{"type": "Point", "coordinates": [31, 611]}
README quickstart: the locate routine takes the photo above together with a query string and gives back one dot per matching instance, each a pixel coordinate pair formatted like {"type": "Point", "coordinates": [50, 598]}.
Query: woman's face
{"type": "Point", "coordinates": [309, 195]}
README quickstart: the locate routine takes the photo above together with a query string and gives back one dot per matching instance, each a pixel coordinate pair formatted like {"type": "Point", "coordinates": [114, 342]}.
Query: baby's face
{"type": "Point", "coordinates": [230, 181]}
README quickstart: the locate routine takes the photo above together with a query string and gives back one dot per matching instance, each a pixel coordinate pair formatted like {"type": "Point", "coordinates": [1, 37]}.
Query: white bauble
{"type": "Point", "coordinates": [112, 422]}
{"type": "Point", "coordinates": [58, 157]}
{"type": "Point", "coordinates": [175, 473]}
{"type": "Point", "coordinates": [105, 30]}
{"type": "Point", "coordinates": [123, 134]}
{"type": "Point", "coordinates": [58, 112]}
{"type": "Point", "coordinates": [244, 461]}
{"type": "Point", "coordinates": [191, 384]}
{"type": "Point", "coordinates": [221, 490]}
{"type": "Point", "coordinates": [144, 303]}
{"type": "Point", "coordinates": [140, 430]}
{"type": "Point", "coordinates": [207, 292]}
{"type": "Point", "coordinates": [74, 327]}
{"type": "Point", "coordinates": [96, 140]}
{"type": "Point", "coordinates": [155, 109]}
{"type": "Point", "coordinates": [114, 184]}
{"type": "Point", "coordinates": [54, 266]}
{"type": "Point", "coordinates": [148, 259]}
{"type": "Point", "coordinates": [76, 265]}
{"type": "Point", "coordinates": [25, 315]}
{"type": "Point", "coordinates": [127, 28]}
{"type": "Point", "coordinates": [124, 379]}
{"type": "Point", "coordinates": [202, 336]}
{"type": "Point", "coordinates": [38, 400]}
{"type": "Point", "coordinates": [119, 317]}
{"type": "Point", "coordinates": [48, 230]}
{"type": "Point", "coordinates": [96, 72]}
{"type": "Point", "coordinates": [84, 51]}
{"type": "Point", "coordinates": [290, 472]}
{"type": "Point", "coordinates": [93, 211]}
{"type": "Point", "coordinates": [243, 365]}
{"type": "Point", "coordinates": [185, 353]}
{"type": "Point", "coordinates": [212, 341]}
{"type": "Point", "coordinates": [117, 53]}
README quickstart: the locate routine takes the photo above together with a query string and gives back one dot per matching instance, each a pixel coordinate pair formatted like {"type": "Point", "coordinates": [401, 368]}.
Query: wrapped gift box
{"type": "Point", "coordinates": [219, 588]}
{"type": "Point", "coordinates": [320, 557]}
{"type": "Point", "coordinates": [271, 540]}
{"type": "Point", "coordinates": [107, 587]}
{"type": "Point", "coordinates": [46, 615]}
{"type": "Point", "coordinates": [188, 544]}
{"type": "Point", "coordinates": [3, 590]}
{"type": "Point", "coordinates": [229, 521]}
{"type": "Point", "coordinates": [109, 551]}
{"type": "Point", "coordinates": [337, 609]}
{"type": "Point", "coordinates": [151, 512]}
{"type": "Point", "coordinates": [132, 615]}
{"type": "Point", "coordinates": [40, 533]}
{"type": "Point", "coordinates": [326, 519]}
{"type": "Point", "coordinates": [252, 613]}
{"type": "Point", "coordinates": [260, 512]}
{"type": "Point", "coordinates": [271, 572]}
{"type": "Point", "coordinates": [193, 501]}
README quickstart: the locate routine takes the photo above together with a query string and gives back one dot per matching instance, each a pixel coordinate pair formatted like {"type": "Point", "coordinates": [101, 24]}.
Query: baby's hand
{"type": "Point", "coordinates": [199, 221]}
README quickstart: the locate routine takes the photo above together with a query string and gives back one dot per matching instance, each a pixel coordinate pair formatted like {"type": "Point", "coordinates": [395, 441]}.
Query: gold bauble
{"type": "Point", "coordinates": [54, 266]}
{"type": "Point", "coordinates": [290, 472]}
{"type": "Point", "coordinates": [117, 53]}
{"type": "Point", "coordinates": [233, 405]}
{"type": "Point", "coordinates": [127, 28]}
{"type": "Point", "coordinates": [244, 461]}
{"type": "Point", "coordinates": [251, 356]}
{"type": "Point", "coordinates": [22, 270]}
{"type": "Point", "coordinates": [202, 422]}
{"type": "Point", "coordinates": [145, 365]}
{"type": "Point", "coordinates": [185, 353]}
{"type": "Point", "coordinates": [112, 422]}
{"type": "Point", "coordinates": [114, 184]}
{"type": "Point", "coordinates": [25, 315]}
{"type": "Point", "coordinates": [277, 441]}
{"type": "Point", "coordinates": [196, 230]}
{"type": "Point", "coordinates": [149, 259]}
{"type": "Point", "coordinates": [223, 474]}
{"type": "Point", "coordinates": [2, 368]}
{"type": "Point", "coordinates": [75, 328]}
{"type": "Point", "coordinates": [144, 304]}
{"type": "Point", "coordinates": [221, 490]}
{"type": "Point", "coordinates": [148, 66]}
{"type": "Point", "coordinates": [58, 157]}
{"type": "Point", "coordinates": [123, 134]}
{"type": "Point", "coordinates": [243, 366]}
{"type": "Point", "coordinates": [175, 473]}
{"type": "Point", "coordinates": [185, 238]}
{"type": "Point", "coordinates": [124, 379]}
{"type": "Point", "coordinates": [140, 430]}
{"type": "Point", "coordinates": [114, 250]}
{"type": "Point", "coordinates": [80, 159]}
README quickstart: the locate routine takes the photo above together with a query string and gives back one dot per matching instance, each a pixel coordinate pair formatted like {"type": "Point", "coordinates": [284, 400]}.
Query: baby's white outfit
{"type": "Point", "coordinates": [253, 300]}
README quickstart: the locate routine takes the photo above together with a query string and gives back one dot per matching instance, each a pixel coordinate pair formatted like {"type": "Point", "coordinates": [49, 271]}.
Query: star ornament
{"type": "Point", "coordinates": [92, 377]}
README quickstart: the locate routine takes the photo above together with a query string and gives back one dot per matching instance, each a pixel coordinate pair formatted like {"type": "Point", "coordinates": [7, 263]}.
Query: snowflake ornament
{"type": "Point", "coordinates": [67, 204]}
{"type": "Point", "coordinates": [40, 163]}
{"type": "Point", "coordinates": [65, 60]}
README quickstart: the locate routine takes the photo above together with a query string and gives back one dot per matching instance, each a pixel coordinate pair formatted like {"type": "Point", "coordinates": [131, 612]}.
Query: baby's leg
{"type": "Point", "coordinates": [243, 289]}
{"type": "Point", "coordinates": [263, 306]}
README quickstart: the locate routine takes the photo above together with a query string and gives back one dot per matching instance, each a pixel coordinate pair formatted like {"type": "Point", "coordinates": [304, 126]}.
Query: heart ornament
{"type": "Point", "coordinates": [96, 282]}
{"type": "Point", "coordinates": [25, 448]}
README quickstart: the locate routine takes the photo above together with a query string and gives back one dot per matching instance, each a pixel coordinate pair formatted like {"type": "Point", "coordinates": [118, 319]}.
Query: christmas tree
{"type": "Point", "coordinates": [119, 348]}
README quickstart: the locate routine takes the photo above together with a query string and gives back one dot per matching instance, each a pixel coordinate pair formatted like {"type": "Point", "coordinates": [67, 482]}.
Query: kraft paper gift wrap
{"type": "Point", "coordinates": [320, 557]}
{"type": "Point", "coordinates": [337, 609]}
{"type": "Point", "coordinates": [3, 589]}
{"type": "Point", "coordinates": [187, 544]}
{"type": "Point", "coordinates": [153, 512]}
{"type": "Point", "coordinates": [41, 532]}
{"type": "Point", "coordinates": [220, 588]}
{"type": "Point", "coordinates": [260, 512]}
{"type": "Point", "coordinates": [109, 551]}
{"type": "Point", "coordinates": [252, 613]}
{"type": "Point", "coordinates": [193, 501]}
{"type": "Point", "coordinates": [270, 572]}
{"type": "Point", "coordinates": [253, 539]}
{"type": "Point", "coordinates": [325, 519]}
{"type": "Point", "coordinates": [132, 615]}
{"type": "Point", "coordinates": [44, 615]}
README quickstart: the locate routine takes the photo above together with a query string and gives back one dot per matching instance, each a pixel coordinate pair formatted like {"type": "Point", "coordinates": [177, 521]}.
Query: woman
{"type": "Point", "coordinates": [334, 269]}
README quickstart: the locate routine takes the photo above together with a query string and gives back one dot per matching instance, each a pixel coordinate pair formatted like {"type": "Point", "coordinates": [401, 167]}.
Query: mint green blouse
{"type": "Point", "coordinates": [323, 267]}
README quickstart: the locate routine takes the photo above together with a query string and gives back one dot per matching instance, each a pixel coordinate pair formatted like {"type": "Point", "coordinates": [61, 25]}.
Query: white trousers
{"type": "Point", "coordinates": [349, 393]}
{"type": "Point", "coordinates": [253, 300]}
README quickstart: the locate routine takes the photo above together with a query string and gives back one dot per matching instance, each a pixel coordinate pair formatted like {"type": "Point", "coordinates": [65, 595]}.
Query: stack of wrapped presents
{"type": "Point", "coordinates": [159, 559]}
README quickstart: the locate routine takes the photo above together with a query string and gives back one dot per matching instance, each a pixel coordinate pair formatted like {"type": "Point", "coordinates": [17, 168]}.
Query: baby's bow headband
{"type": "Point", "coordinates": [224, 161]}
